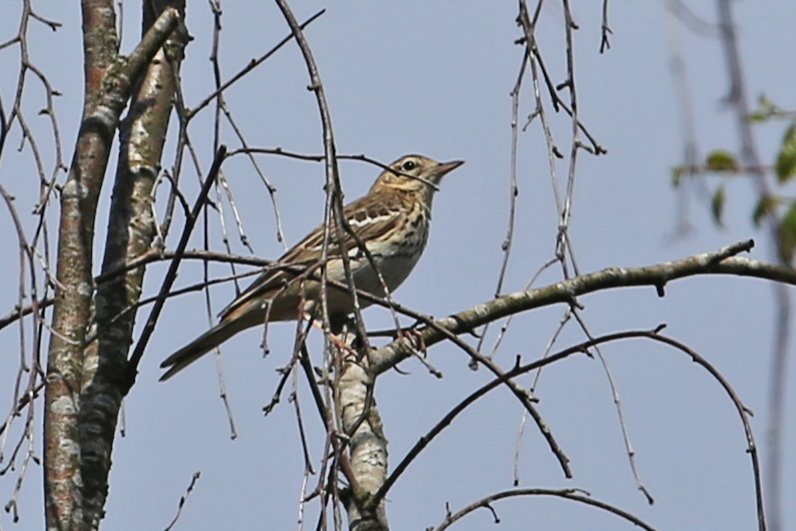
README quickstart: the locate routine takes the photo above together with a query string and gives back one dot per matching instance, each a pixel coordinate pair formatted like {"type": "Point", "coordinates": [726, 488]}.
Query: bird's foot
{"type": "Point", "coordinates": [415, 339]}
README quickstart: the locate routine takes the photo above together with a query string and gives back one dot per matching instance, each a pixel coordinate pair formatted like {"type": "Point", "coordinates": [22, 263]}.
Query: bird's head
{"type": "Point", "coordinates": [415, 173]}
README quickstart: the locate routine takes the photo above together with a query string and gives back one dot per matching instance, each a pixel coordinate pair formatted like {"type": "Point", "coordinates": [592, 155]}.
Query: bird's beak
{"type": "Point", "coordinates": [442, 168]}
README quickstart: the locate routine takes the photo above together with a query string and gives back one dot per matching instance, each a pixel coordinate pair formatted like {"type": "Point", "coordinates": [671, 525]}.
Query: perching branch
{"type": "Point", "coordinates": [721, 262]}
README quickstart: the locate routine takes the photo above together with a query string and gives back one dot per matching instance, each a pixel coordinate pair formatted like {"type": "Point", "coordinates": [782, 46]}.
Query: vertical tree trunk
{"type": "Point", "coordinates": [80, 407]}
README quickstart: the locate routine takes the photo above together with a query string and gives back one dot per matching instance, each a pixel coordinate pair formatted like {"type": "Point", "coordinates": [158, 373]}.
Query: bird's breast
{"type": "Point", "coordinates": [393, 256]}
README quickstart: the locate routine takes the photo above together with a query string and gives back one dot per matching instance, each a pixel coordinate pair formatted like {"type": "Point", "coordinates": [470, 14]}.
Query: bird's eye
{"type": "Point", "coordinates": [409, 165]}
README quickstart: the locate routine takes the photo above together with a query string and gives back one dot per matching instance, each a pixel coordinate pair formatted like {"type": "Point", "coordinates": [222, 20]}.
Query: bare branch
{"type": "Point", "coordinates": [569, 494]}
{"type": "Point", "coordinates": [171, 274]}
{"type": "Point", "coordinates": [567, 291]}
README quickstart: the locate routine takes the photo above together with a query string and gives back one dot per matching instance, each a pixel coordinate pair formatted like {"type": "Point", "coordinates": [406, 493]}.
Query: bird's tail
{"type": "Point", "coordinates": [198, 348]}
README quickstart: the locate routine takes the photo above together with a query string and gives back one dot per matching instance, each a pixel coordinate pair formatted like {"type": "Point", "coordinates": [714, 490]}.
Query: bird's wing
{"type": "Point", "coordinates": [368, 217]}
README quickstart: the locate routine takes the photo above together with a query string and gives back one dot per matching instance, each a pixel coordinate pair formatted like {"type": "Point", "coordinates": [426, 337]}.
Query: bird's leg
{"type": "Point", "coordinates": [334, 337]}
{"type": "Point", "coordinates": [412, 336]}
{"type": "Point", "coordinates": [409, 333]}
{"type": "Point", "coordinates": [418, 345]}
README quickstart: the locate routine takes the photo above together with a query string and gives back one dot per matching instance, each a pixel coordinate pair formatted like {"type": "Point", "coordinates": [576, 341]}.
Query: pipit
{"type": "Point", "coordinates": [391, 221]}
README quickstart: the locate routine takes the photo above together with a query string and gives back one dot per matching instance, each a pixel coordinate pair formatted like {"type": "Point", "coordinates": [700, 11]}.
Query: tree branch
{"type": "Point", "coordinates": [722, 262]}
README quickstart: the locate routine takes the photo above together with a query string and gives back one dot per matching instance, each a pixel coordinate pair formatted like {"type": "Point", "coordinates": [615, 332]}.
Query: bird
{"type": "Point", "coordinates": [392, 222]}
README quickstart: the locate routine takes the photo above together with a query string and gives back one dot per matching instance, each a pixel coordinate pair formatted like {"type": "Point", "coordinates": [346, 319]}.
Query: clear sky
{"type": "Point", "coordinates": [434, 78]}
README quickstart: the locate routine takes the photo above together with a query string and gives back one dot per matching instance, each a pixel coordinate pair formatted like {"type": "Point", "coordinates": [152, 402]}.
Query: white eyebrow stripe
{"type": "Point", "coordinates": [369, 220]}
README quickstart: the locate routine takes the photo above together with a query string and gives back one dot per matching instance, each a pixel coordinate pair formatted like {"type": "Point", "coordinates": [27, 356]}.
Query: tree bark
{"type": "Point", "coordinates": [75, 448]}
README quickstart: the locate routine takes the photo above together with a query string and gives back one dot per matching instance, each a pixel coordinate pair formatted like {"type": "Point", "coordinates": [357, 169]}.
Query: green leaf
{"type": "Point", "coordinates": [757, 117]}
{"type": "Point", "coordinates": [677, 176]}
{"type": "Point", "coordinates": [786, 159]}
{"type": "Point", "coordinates": [765, 206]}
{"type": "Point", "coordinates": [717, 205]}
{"type": "Point", "coordinates": [787, 233]}
{"type": "Point", "coordinates": [765, 110]}
{"type": "Point", "coordinates": [721, 160]}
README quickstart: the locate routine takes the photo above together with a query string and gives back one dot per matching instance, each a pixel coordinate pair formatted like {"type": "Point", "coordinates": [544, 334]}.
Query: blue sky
{"type": "Point", "coordinates": [434, 78]}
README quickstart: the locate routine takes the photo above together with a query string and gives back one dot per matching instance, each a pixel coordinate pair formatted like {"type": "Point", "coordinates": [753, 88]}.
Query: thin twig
{"type": "Point", "coordinates": [171, 274]}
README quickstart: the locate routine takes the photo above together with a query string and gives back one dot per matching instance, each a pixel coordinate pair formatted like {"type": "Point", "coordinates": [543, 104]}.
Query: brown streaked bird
{"type": "Point", "coordinates": [391, 220]}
